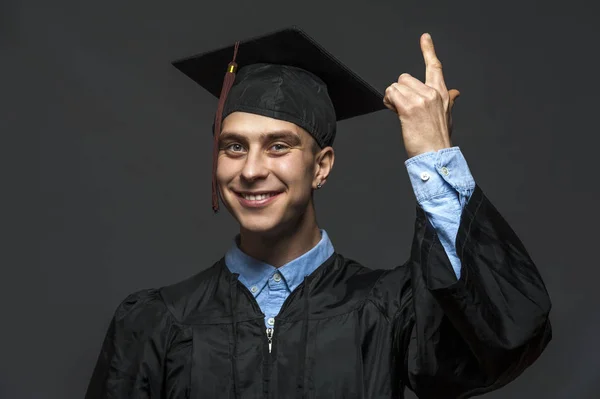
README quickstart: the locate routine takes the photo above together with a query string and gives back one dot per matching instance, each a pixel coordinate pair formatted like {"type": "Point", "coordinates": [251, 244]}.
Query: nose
{"type": "Point", "coordinates": [254, 167]}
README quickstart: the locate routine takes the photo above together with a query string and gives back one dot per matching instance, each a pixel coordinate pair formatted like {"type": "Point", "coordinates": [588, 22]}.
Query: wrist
{"type": "Point", "coordinates": [411, 153]}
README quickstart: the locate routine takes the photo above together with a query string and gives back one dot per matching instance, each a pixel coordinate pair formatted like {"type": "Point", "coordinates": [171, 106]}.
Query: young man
{"type": "Point", "coordinates": [283, 315]}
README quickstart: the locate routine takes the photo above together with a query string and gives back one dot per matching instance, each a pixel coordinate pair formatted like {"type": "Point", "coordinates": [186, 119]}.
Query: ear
{"type": "Point", "coordinates": [324, 160]}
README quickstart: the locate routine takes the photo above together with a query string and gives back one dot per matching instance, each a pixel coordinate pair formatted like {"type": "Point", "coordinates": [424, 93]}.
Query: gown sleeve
{"type": "Point", "coordinates": [131, 360]}
{"type": "Point", "coordinates": [465, 337]}
{"type": "Point", "coordinates": [442, 183]}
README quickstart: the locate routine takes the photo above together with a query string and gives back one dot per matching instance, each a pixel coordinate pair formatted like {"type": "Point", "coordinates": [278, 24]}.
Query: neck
{"type": "Point", "coordinates": [286, 244]}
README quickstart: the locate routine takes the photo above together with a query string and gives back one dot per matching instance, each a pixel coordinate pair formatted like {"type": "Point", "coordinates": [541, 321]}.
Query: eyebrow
{"type": "Point", "coordinates": [270, 136]}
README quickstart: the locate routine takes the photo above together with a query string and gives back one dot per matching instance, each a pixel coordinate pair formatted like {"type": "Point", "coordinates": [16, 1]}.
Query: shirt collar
{"type": "Point", "coordinates": [255, 273]}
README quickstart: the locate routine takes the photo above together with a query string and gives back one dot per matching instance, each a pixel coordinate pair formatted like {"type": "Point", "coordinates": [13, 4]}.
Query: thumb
{"type": "Point", "coordinates": [453, 95]}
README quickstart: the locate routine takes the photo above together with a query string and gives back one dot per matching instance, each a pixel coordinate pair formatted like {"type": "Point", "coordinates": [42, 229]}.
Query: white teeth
{"type": "Point", "coordinates": [259, 197]}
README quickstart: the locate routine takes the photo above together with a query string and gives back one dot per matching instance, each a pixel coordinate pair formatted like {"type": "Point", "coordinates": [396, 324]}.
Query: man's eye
{"type": "Point", "coordinates": [279, 147]}
{"type": "Point", "coordinates": [234, 147]}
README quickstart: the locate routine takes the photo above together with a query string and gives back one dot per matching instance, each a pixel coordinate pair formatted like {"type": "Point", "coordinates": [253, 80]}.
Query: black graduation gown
{"type": "Point", "coordinates": [346, 332]}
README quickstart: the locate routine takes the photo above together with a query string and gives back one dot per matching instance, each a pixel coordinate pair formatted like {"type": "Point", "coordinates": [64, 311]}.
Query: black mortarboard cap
{"type": "Point", "coordinates": [285, 75]}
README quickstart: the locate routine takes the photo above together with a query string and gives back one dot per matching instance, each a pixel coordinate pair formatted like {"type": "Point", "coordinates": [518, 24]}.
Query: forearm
{"type": "Point", "coordinates": [443, 184]}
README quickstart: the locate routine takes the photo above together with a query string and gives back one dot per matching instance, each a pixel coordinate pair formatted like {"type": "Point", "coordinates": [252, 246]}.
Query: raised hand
{"type": "Point", "coordinates": [424, 109]}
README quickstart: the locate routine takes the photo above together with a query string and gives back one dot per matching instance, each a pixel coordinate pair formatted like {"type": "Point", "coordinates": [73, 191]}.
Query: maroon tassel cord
{"type": "Point", "coordinates": [227, 83]}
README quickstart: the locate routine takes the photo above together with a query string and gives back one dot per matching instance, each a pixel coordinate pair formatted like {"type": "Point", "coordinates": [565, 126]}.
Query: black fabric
{"type": "Point", "coordinates": [285, 93]}
{"type": "Point", "coordinates": [346, 332]}
{"type": "Point", "coordinates": [281, 90]}
{"type": "Point", "coordinates": [233, 300]}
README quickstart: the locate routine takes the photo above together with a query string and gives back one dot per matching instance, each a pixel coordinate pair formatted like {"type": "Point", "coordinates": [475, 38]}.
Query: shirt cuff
{"type": "Point", "coordinates": [438, 173]}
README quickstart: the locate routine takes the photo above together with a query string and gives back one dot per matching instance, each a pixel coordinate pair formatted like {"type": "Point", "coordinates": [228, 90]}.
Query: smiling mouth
{"type": "Point", "coordinates": [257, 200]}
{"type": "Point", "coordinates": [257, 197]}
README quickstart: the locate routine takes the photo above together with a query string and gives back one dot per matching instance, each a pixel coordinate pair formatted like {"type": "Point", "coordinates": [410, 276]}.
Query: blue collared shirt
{"type": "Point", "coordinates": [442, 183]}
{"type": "Point", "coordinates": [270, 285]}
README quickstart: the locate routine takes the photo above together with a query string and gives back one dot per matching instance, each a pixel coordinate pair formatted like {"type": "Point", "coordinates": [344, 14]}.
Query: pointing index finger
{"type": "Point", "coordinates": [433, 66]}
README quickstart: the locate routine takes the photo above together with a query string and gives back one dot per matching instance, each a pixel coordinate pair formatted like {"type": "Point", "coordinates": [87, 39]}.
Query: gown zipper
{"type": "Point", "coordinates": [270, 338]}
{"type": "Point", "coordinates": [270, 330]}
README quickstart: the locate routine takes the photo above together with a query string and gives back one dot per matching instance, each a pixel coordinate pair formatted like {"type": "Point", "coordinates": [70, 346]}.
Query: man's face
{"type": "Point", "coordinates": [266, 171]}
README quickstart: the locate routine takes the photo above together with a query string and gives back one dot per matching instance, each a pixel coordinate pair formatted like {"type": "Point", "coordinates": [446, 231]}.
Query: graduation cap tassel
{"type": "Point", "coordinates": [227, 83]}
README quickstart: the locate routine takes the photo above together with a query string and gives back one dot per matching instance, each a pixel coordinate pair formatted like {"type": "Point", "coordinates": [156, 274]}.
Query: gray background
{"type": "Point", "coordinates": [124, 160]}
